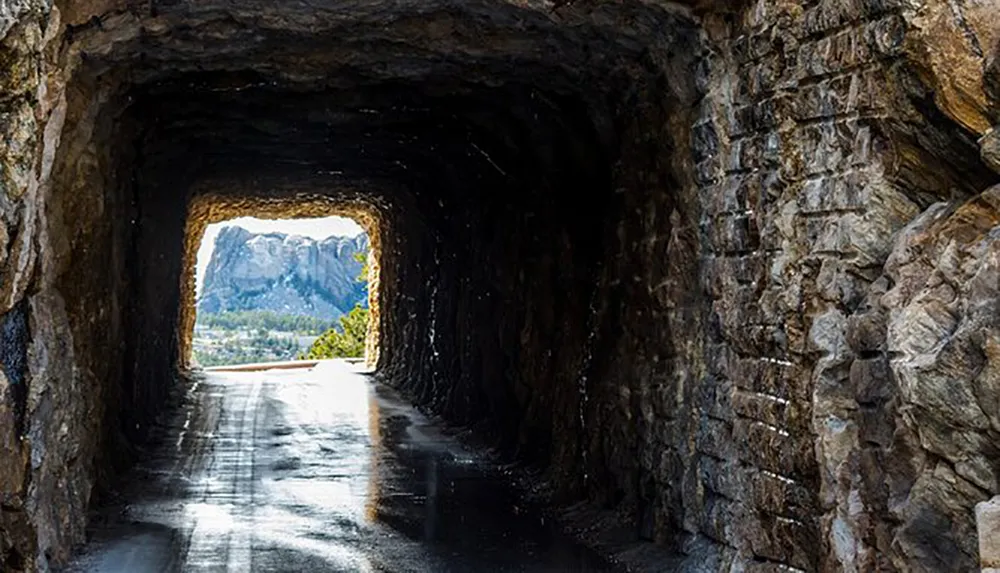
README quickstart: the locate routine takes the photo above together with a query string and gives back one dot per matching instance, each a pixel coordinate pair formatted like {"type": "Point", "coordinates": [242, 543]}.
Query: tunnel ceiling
{"type": "Point", "coordinates": [423, 93]}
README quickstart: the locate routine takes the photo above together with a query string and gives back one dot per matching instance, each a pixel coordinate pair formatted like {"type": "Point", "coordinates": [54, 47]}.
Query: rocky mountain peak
{"type": "Point", "coordinates": [288, 274]}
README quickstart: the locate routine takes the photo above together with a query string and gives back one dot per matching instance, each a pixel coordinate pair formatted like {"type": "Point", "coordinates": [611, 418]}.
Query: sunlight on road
{"type": "Point", "coordinates": [313, 469]}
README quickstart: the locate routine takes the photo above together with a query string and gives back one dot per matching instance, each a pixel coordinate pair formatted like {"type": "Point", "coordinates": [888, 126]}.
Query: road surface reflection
{"type": "Point", "coordinates": [316, 470]}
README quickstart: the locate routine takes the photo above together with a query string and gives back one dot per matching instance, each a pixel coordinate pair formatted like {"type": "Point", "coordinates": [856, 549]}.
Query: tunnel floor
{"type": "Point", "coordinates": [317, 470]}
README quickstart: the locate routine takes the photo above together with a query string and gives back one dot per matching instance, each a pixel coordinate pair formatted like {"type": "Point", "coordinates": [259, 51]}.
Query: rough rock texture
{"type": "Point", "coordinates": [949, 43]}
{"type": "Point", "coordinates": [725, 270]}
{"type": "Point", "coordinates": [989, 149]}
{"type": "Point", "coordinates": [817, 146]}
{"type": "Point", "coordinates": [283, 273]}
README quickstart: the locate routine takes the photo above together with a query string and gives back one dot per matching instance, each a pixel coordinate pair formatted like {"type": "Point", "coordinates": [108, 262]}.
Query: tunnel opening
{"type": "Point", "coordinates": [522, 174]}
{"type": "Point", "coordinates": [207, 211]}
{"type": "Point", "coordinates": [533, 237]}
{"type": "Point", "coordinates": [533, 244]}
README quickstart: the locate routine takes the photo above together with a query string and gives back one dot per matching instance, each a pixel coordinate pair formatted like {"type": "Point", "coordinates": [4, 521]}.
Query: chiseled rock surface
{"type": "Point", "coordinates": [815, 148]}
{"type": "Point", "coordinates": [952, 42]}
{"type": "Point", "coordinates": [287, 274]}
{"type": "Point", "coordinates": [50, 433]}
{"type": "Point", "coordinates": [943, 337]}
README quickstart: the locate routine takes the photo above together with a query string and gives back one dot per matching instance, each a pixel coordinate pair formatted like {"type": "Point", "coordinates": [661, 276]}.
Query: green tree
{"type": "Point", "coordinates": [362, 257]}
{"type": "Point", "coordinates": [347, 341]}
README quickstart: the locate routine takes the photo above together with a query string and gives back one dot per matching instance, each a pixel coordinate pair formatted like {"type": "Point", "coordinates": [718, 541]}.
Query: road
{"type": "Point", "coordinates": [315, 470]}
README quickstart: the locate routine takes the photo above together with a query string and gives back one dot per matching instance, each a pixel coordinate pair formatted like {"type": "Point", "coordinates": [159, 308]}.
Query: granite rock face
{"type": "Point", "coordinates": [286, 274]}
{"type": "Point", "coordinates": [725, 270]}
{"type": "Point", "coordinates": [941, 336]}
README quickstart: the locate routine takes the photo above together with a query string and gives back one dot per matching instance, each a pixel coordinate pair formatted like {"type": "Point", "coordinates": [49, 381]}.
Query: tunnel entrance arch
{"type": "Point", "coordinates": [210, 208]}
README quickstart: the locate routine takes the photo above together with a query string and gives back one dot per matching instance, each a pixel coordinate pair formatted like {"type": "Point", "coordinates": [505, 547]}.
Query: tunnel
{"type": "Point", "coordinates": [671, 258]}
{"type": "Point", "coordinates": [494, 151]}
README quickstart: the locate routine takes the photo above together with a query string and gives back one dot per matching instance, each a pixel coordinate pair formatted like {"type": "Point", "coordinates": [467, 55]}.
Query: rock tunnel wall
{"type": "Point", "coordinates": [66, 236]}
{"type": "Point", "coordinates": [821, 141]}
{"type": "Point", "coordinates": [725, 270]}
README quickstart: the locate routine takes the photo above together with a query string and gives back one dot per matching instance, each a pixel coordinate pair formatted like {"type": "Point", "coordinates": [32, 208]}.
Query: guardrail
{"type": "Point", "coordinates": [286, 365]}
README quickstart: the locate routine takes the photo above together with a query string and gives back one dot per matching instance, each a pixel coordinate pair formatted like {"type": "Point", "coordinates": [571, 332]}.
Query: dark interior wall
{"type": "Point", "coordinates": [501, 247]}
{"type": "Point", "coordinates": [643, 357]}
{"type": "Point", "coordinates": [156, 265]}
{"type": "Point", "coordinates": [541, 306]}
{"type": "Point", "coordinates": [93, 225]}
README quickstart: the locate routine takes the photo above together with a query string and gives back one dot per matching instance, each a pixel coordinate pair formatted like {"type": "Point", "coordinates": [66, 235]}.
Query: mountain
{"type": "Point", "coordinates": [287, 274]}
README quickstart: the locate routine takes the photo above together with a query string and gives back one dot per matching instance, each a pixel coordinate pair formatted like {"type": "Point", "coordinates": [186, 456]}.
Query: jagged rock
{"type": "Point", "coordinates": [944, 338]}
{"type": "Point", "coordinates": [953, 42]}
{"type": "Point", "coordinates": [287, 274]}
{"type": "Point", "coordinates": [989, 148]}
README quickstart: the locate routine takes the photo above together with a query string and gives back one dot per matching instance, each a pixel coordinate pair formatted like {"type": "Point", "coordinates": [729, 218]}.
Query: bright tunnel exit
{"type": "Point", "coordinates": [276, 284]}
{"type": "Point", "coordinates": [277, 290]}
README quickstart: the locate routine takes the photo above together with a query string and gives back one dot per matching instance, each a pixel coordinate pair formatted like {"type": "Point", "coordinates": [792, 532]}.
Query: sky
{"type": "Point", "coordinates": [315, 228]}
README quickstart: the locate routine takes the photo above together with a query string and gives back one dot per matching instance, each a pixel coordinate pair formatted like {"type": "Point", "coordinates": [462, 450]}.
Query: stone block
{"type": "Point", "coordinates": [989, 149]}
{"type": "Point", "coordinates": [779, 495]}
{"type": "Point", "coordinates": [707, 172]}
{"type": "Point", "coordinates": [704, 141]}
{"type": "Point", "coordinates": [714, 399]}
{"type": "Point", "coordinates": [729, 196]}
{"type": "Point", "coordinates": [742, 118]}
{"type": "Point", "coordinates": [771, 376]}
{"type": "Point", "coordinates": [715, 437]}
{"type": "Point", "coordinates": [762, 407]}
{"type": "Point", "coordinates": [734, 234]}
{"type": "Point", "coordinates": [764, 75]}
{"type": "Point", "coordinates": [988, 525]}
{"type": "Point", "coordinates": [773, 448]}
{"type": "Point", "coordinates": [718, 360]}
{"type": "Point", "coordinates": [716, 518]}
{"type": "Point", "coordinates": [722, 477]}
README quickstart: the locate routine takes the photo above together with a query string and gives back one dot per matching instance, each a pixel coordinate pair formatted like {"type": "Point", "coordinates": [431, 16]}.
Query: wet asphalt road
{"type": "Point", "coordinates": [317, 470]}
